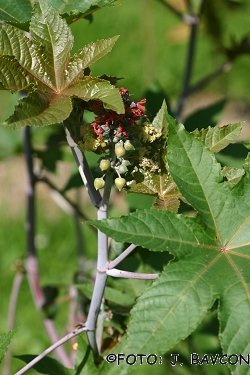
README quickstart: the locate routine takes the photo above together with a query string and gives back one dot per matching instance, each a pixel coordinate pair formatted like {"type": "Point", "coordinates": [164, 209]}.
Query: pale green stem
{"type": "Point", "coordinates": [131, 275]}
{"type": "Point", "coordinates": [122, 256]}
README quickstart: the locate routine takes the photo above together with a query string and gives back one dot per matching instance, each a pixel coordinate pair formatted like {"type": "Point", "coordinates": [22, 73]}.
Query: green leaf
{"type": "Point", "coordinates": [88, 55]}
{"type": "Point", "coordinates": [211, 250]}
{"type": "Point", "coordinates": [53, 34]}
{"type": "Point", "coordinates": [217, 138]}
{"type": "Point", "coordinates": [160, 186]}
{"type": "Point", "coordinates": [19, 11]}
{"type": "Point", "coordinates": [233, 174]}
{"type": "Point", "coordinates": [40, 109]}
{"type": "Point", "coordinates": [46, 365]}
{"type": "Point", "coordinates": [15, 10]}
{"type": "Point", "coordinates": [13, 78]}
{"type": "Point", "coordinates": [160, 122]}
{"type": "Point", "coordinates": [89, 88]}
{"type": "Point", "coordinates": [5, 340]}
{"type": "Point", "coordinates": [119, 297]}
{"type": "Point", "coordinates": [84, 364]}
{"type": "Point", "coordinates": [44, 64]}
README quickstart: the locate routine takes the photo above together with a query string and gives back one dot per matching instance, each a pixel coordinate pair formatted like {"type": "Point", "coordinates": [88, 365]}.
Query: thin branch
{"type": "Point", "coordinates": [131, 275]}
{"type": "Point", "coordinates": [66, 202]}
{"type": "Point", "coordinates": [31, 262]}
{"type": "Point", "coordinates": [66, 338]}
{"type": "Point", "coordinates": [204, 81]}
{"type": "Point", "coordinates": [122, 256]}
{"type": "Point", "coordinates": [84, 170]}
{"type": "Point", "coordinates": [11, 317]}
{"type": "Point", "coordinates": [188, 70]}
{"type": "Point", "coordinates": [30, 191]}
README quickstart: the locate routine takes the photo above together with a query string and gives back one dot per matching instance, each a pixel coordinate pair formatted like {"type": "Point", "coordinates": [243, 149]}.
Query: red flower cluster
{"type": "Point", "coordinates": [108, 123]}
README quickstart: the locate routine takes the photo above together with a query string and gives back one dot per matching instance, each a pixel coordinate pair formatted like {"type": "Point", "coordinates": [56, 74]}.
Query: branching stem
{"type": "Point", "coordinates": [120, 257]}
{"type": "Point", "coordinates": [66, 338]}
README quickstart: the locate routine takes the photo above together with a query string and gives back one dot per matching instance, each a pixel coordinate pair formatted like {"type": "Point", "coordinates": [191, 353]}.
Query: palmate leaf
{"type": "Point", "coordinates": [44, 64]}
{"type": "Point", "coordinates": [212, 256]}
{"type": "Point", "coordinates": [19, 11]}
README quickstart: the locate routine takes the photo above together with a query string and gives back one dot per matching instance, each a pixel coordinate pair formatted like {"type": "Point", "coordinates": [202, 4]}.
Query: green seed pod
{"type": "Point", "coordinates": [120, 151]}
{"type": "Point", "coordinates": [126, 163]}
{"type": "Point", "coordinates": [99, 183]}
{"type": "Point", "coordinates": [120, 183]}
{"type": "Point", "coordinates": [128, 146]}
{"type": "Point", "coordinates": [104, 145]}
{"type": "Point", "coordinates": [122, 169]}
{"type": "Point", "coordinates": [104, 165]}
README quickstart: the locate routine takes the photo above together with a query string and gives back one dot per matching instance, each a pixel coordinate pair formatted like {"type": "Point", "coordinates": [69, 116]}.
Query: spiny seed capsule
{"type": "Point", "coordinates": [120, 151]}
{"type": "Point", "coordinates": [128, 146]}
{"type": "Point", "coordinates": [99, 183]}
{"type": "Point", "coordinates": [120, 183]}
{"type": "Point", "coordinates": [122, 169]}
{"type": "Point", "coordinates": [104, 165]}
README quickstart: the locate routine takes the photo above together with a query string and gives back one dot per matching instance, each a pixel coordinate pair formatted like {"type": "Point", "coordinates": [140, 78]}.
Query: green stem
{"type": "Point", "coordinates": [188, 70]}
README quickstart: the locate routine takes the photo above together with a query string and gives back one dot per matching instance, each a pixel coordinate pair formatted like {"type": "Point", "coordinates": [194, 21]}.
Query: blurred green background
{"type": "Point", "coordinates": [150, 54]}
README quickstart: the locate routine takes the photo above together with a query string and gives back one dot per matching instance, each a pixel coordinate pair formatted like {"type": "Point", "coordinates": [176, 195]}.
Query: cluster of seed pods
{"type": "Point", "coordinates": [117, 133]}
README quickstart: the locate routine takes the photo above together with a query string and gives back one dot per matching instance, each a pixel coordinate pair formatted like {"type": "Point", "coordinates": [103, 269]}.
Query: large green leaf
{"type": "Point", "coordinates": [211, 251]}
{"type": "Point", "coordinates": [19, 11]}
{"type": "Point", "coordinates": [43, 63]}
